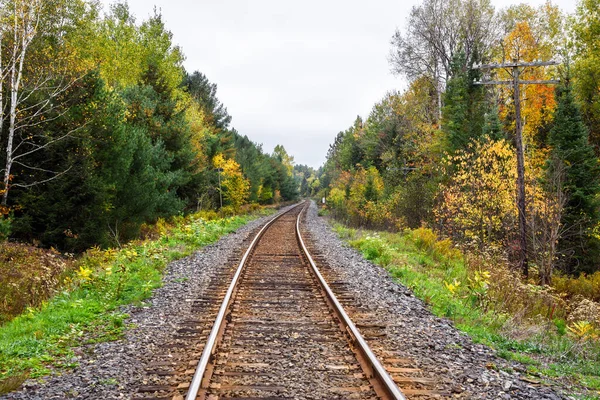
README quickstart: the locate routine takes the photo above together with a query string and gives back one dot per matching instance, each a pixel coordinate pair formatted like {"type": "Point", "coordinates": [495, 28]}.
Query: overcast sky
{"type": "Point", "coordinates": [292, 72]}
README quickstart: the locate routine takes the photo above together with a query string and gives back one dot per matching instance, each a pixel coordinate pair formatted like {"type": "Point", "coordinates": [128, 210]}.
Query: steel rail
{"type": "Point", "coordinates": [214, 333]}
{"type": "Point", "coordinates": [386, 381]}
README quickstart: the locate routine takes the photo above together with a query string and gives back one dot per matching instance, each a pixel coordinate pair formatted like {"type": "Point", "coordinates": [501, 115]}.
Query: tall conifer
{"type": "Point", "coordinates": [570, 146]}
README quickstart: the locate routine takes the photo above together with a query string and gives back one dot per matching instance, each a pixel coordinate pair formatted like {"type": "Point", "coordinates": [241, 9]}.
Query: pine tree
{"type": "Point", "coordinates": [462, 116]}
{"type": "Point", "coordinates": [570, 145]}
{"type": "Point", "coordinates": [492, 126]}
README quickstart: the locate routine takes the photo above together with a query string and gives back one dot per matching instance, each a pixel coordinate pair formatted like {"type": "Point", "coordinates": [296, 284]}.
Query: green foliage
{"type": "Point", "coordinates": [570, 146]}
{"type": "Point", "coordinates": [492, 126]}
{"type": "Point", "coordinates": [462, 114]}
{"type": "Point", "coordinates": [585, 29]}
{"type": "Point", "coordinates": [117, 178]}
{"type": "Point", "coordinates": [143, 133]}
{"type": "Point", "coordinates": [5, 227]}
{"type": "Point", "coordinates": [205, 93]}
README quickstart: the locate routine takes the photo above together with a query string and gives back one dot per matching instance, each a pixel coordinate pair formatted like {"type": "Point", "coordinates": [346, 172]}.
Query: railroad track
{"type": "Point", "coordinates": [278, 331]}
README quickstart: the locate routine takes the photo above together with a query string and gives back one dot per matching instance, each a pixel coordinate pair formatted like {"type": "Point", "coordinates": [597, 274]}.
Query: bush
{"type": "Point", "coordinates": [587, 286]}
{"type": "Point", "coordinates": [441, 250]}
{"type": "Point", "coordinates": [207, 215]}
{"type": "Point", "coordinates": [374, 249]}
{"type": "Point", "coordinates": [154, 231]}
{"type": "Point", "coordinates": [228, 211]}
{"type": "Point", "coordinates": [252, 207]}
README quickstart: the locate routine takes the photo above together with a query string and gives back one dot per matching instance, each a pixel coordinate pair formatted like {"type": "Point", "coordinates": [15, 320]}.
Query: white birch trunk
{"type": "Point", "coordinates": [26, 32]}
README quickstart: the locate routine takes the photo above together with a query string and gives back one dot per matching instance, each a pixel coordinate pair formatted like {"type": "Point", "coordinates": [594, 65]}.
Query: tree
{"type": "Point", "coordinates": [205, 93]}
{"type": "Point", "coordinates": [436, 31]}
{"type": "Point", "coordinates": [477, 203]}
{"type": "Point", "coordinates": [570, 145]}
{"type": "Point", "coordinates": [492, 126]}
{"type": "Point", "coordinates": [235, 186]}
{"type": "Point", "coordinates": [116, 48]}
{"type": "Point", "coordinates": [39, 71]}
{"type": "Point", "coordinates": [585, 29]}
{"type": "Point", "coordinates": [118, 178]}
{"type": "Point", "coordinates": [546, 223]}
{"type": "Point", "coordinates": [463, 112]}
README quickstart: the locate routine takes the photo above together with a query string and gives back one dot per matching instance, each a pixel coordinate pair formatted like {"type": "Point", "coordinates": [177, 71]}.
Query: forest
{"type": "Point", "coordinates": [102, 130]}
{"type": "Point", "coordinates": [443, 154]}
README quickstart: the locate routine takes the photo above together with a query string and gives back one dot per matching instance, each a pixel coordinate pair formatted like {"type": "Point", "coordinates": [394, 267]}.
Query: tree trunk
{"type": "Point", "coordinates": [16, 74]}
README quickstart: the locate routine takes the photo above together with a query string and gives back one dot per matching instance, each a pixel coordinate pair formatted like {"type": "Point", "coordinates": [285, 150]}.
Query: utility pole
{"type": "Point", "coordinates": [515, 68]}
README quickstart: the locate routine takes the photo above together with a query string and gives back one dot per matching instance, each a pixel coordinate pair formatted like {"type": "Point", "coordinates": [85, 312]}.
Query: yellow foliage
{"type": "Point", "coordinates": [587, 286]}
{"type": "Point", "coordinates": [425, 239]}
{"type": "Point", "coordinates": [84, 274]}
{"type": "Point", "coordinates": [235, 187]}
{"type": "Point", "coordinates": [480, 281]}
{"type": "Point", "coordinates": [583, 330]}
{"type": "Point", "coordinates": [452, 287]}
{"type": "Point", "coordinates": [478, 201]}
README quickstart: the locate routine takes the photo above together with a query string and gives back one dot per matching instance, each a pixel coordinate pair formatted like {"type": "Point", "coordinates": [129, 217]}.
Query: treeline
{"type": "Point", "coordinates": [442, 153]}
{"type": "Point", "coordinates": [102, 129]}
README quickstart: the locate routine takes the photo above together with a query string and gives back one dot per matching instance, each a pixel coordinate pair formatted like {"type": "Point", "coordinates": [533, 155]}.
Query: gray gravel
{"type": "Point", "coordinates": [112, 370]}
{"type": "Point", "coordinates": [437, 348]}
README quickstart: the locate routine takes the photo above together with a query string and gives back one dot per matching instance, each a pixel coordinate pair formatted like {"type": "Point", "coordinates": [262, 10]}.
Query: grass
{"type": "Point", "coordinates": [440, 275]}
{"type": "Point", "coordinates": [45, 338]}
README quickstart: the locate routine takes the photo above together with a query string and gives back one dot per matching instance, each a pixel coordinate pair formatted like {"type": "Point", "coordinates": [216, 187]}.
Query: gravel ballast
{"type": "Point", "coordinates": [113, 370]}
{"type": "Point", "coordinates": [466, 369]}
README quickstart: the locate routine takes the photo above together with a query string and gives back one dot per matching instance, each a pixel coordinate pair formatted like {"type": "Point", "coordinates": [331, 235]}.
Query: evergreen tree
{"type": "Point", "coordinates": [462, 114]}
{"type": "Point", "coordinates": [205, 93]}
{"type": "Point", "coordinates": [570, 145]}
{"type": "Point", "coordinates": [492, 126]}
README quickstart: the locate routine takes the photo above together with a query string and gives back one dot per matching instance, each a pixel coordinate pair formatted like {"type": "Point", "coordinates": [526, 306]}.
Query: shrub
{"type": "Point", "coordinates": [585, 310]}
{"type": "Point", "coordinates": [374, 249]}
{"type": "Point", "coordinates": [441, 250]}
{"type": "Point", "coordinates": [154, 231]}
{"type": "Point", "coordinates": [252, 207]}
{"type": "Point", "coordinates": [587, 286]}
{"type": "Point", "coordinates": [507, 293]}
{"type": "Point", "coordinates": [207, 215]}
{"type": "Point", "coordinates": [228, 211]}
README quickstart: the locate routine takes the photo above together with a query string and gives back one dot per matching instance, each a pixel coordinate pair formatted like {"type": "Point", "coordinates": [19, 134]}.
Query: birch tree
{"type": "Point", "coordinates": [34, 80]}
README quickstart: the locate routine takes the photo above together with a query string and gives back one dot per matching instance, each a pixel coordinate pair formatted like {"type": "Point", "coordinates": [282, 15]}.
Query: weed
{"type": "Point", "coordinates": [323, 212]}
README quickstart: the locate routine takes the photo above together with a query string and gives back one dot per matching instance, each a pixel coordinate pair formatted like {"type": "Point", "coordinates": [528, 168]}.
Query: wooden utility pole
{"type": "Point", "coordinates": [514, 68]}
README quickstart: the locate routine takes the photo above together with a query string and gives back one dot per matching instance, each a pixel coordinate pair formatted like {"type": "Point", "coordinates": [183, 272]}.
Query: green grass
{"type": "Point", "coordinates": [437, 274]}
{"type": "Point", "coordinates": [43, 339]}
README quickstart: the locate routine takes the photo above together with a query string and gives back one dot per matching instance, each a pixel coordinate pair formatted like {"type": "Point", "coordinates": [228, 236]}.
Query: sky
{"type": "Point", "coordinates": [292, 72]}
